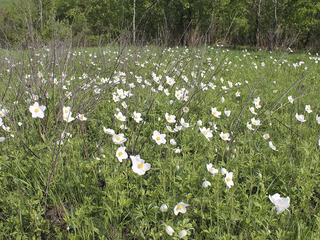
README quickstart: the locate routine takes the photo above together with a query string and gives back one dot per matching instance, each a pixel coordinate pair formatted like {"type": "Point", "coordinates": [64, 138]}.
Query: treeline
{"type": "Point", "coordinates": [261, 23]}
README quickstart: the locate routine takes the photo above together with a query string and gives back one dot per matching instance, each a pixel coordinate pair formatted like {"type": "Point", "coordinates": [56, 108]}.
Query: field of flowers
{"type": "Point", "coordinates": [159, 143]}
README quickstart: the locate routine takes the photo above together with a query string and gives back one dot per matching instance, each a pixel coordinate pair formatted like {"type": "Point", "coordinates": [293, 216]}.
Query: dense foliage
{"type": "Point", "coordinates": [226, 136]}
{"type": "Point", "coordinates": [267, 23]}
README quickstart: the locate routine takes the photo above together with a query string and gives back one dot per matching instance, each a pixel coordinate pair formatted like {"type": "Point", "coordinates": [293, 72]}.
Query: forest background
{"type": "Point", "coordinates": [258, 23]}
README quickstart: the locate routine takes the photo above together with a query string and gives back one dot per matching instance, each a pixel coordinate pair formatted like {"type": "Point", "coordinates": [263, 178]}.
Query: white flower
{"type": "Point", "coordinates": [1, 123]}
{"type": "Point", "coordinates": [237, 94]}
{"type": "Point", "coordinates": [181, 207]}
{"type": "Point", "coordinates": [121, 153]}
{"type": "Point", "coordinates": [81, 117]}
{"type": "Point", "coordinates": [170, 80]}
{"type": "Point", "coordinates": [119, 138]}
{"type": "Point", "coordinates": [170, 118]}
{"type": "Point", "coordinates": [139, 166]}
{"type": "Point", "coordinates": [266, 136]}
{"type": "Point", "coordinates": [257, 105]}
{"type": "Point", "coordinates": [215, 112]}
{"type": "Point", "coordinates": [206, 184]}
{"type": "Point", "coordinates": [115, 98]}
{"type": "Point", "coordinates": [225, 136]}
{"type": "Point", "coordinates": [308, 109]}
{"type": "Point", "coordinates": [3, 112]}
{"type": "Point", "coordinates": [300, 118]}
{"type": "Point", "coordinates": [137, 117]}
{"type": "Point", "coordinates": [37, 111]}
{"type": "Point", "coordinates": [170, 129]}
{"type": "Point", "coordinates": [173, 142]}
{"type": "Point", "coordinates": [256, 100]}
{"type": "Point", "coordinates": [210, 84]}
{"type": "Point", "coordinates": [184, 124]}
{"type": "Point", "coordinates": [178, 94]}
{"type": "Point", "coordinates": [177, 128]}
{"type": "Point", "coordinates": [159, 138]}
{"type": "Point", "coordinates": [7, 129]}
{"type": "Point", "coordinates": [290, 98]}
{"type": "Point", "coordinates": [272, 146]}
{"type": "Point", "coordinates": [120, 116]}
{"type": "Point", "coordinates": [255, 122]}
{"type": "Point", "coordinates": [68, 118]}
{"type": "Point", "coordinates": [224, 171]}
{"type": "Point", "coordinates": [199, 123]}
{"type": "Point", "coordinates": [227, 112]}
{"type": "Point", "coordinates": [168, 229]}
{"type": "Point", "coordinates": [176, 150]}
{"type": "Point", "coordinates": [109, 131]}
{"type": "Point", "coordinates": [207, 132]}
{"type": "Point", "coordinates": [164, 207]}
{"type": "Point", "coordinates": [185, 109]}
{"type": "Point", "coordinates": [211, 169]}
{"type": "Point", "coordinates": [66, 111]}
{"type": "Point", "coordinates": [252, 110]}
{"type": "Point", "coordinates": [67, 114]}
{"type": "Point", "coordinates": [318, 119]}
{"type": "Point", "coordinates": [166, 92]}
{"type": "Point", "coordinates": [124, 105]}
{"type": "Point", "coordinates": [280, 203]}
{"type": "Point", "coordinates": [2, 139]}
{"type": "Point", "coordinates": [249, 126]}
{"type": "Point", "coordinates": [228, 179]}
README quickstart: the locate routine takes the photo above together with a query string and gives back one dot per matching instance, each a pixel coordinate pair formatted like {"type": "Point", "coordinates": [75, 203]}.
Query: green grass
{"type": "Point", "coordinates": [78, 189]}
{"type": "Point", "coordinates": [6, 2]}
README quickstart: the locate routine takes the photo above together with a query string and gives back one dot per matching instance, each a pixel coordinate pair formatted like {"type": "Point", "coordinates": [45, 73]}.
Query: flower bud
{"type": "Point", "coordinates": [183, 233]}
{"type": "Point", "coordinates": [164, 207]}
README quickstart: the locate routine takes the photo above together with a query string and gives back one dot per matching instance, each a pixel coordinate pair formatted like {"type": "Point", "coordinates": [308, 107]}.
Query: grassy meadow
{"type": "Point", "coordinates": [159, 143]}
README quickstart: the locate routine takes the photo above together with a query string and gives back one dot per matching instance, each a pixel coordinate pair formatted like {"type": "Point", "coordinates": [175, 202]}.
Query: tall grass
{"type": "Point", "coordinates": [62, 179]}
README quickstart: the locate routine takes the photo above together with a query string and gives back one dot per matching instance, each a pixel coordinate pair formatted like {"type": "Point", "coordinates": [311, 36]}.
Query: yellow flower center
{"type": "Point", "coordinates": [140, 165]}
{"type": "Point", "coordinates": [119, 117]}
{"type": "Point", "coordinates": [224, 137]}
{"type": "Point", "coordinates": [136, 117]}
{"type": "Point", "coordinates": [158, 138]}
{"type": "Point", "coordinates": [37, 110]}
{"type": "Point", "coordinates": [118, 138]}
{"type": "Point", "coordinates": [81, 117]}
{"type": "Point", "coordinates": [66, 111]}
{"type": "Point", "coordinates": [120, 153]}
{"type": "Point", "coordinates": [228, 179]}
{"type": "Point", "coordinates": [205, 132]}
{"type": "Point", "coordinates": [214, 113]}
{"type": "Point", "coordinates": [179, 207]}
{"type": "Point", "coordinates": [169, 118]}
{"type": "Point", "coordinates": [67, 118]}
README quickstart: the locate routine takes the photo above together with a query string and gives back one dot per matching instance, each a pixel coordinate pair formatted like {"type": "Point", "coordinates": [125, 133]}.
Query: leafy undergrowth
{"type": "Point", "coordinates": [159, 143]}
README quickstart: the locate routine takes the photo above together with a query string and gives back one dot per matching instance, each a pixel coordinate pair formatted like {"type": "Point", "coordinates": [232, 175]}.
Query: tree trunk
{"type": "Point", "coordinates": [275, 26]}
{"type": "Point", "coordinates": [257, 27]}
{"type": "Point", "coordinates": [134, 23]}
